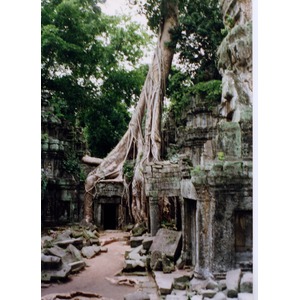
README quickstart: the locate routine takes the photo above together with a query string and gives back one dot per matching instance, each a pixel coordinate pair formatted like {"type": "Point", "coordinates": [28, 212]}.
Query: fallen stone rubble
{"type": "Point", "coordinates": [159, 255]}
{"type": "Point", "coordinates": [65, 251]}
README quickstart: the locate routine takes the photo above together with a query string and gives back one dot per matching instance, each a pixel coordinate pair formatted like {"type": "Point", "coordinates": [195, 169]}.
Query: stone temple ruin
{"type": "Point", "coordinates": [206, 190]}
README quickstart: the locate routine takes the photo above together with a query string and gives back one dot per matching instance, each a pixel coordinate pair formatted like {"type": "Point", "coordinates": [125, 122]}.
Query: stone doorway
{"type": "Point", "coordinates": [110, 216]}
{"type": "Point", "coordinates": [190, 207]}
{"type": "Point", "coordinates": [243, 235]}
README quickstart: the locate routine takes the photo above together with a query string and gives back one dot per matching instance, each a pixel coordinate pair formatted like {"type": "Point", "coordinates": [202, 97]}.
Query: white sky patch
{"type": "Point", "coordinates": [121, 7]}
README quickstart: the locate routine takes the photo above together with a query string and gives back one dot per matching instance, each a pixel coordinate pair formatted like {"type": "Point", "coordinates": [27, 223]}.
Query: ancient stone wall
{"type": "Point", "coordinates": [62, 187]}
{"type": "Point", "coordinates": [216, 195]}
{"type": "Point", "coordinates": [109, 209]}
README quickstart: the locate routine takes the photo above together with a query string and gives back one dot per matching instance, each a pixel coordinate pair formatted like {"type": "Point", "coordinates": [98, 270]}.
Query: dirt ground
{"type": "Point", "coordinates": [93, 278]}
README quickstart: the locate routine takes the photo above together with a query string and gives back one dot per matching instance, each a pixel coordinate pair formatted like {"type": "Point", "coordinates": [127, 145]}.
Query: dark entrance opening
{"type": "Point", "coordinates": [110, 216]}
{"type": "Point", "coordinates": [243, 236]}
{"type": "Point", "coordinates": [190, 228]}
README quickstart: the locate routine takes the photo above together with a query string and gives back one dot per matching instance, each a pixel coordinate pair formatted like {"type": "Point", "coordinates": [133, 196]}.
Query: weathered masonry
{"type": "Point", "coordinates": [107, 205]}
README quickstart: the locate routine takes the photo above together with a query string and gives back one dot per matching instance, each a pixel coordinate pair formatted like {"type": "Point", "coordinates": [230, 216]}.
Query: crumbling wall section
{"type": "Point", "coordinates": [62, 147]}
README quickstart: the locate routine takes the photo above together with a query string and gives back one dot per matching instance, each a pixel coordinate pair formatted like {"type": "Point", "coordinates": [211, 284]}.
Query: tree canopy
{"type": "Point", "coordinates": [90, 67]}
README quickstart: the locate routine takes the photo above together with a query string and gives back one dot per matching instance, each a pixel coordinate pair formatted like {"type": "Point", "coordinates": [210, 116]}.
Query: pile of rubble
{"type": "Point", "coordinates": [161, 256]}
{"type": "Point", "coordinates": [157, 253]}
{"type": "Point", "coordinates": [64, 251]}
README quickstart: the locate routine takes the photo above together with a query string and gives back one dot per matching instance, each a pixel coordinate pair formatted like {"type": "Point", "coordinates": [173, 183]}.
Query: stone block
{"type": "Point", "coordinates": [233, 278]}
{"type": "Point", "coordinates": [197, 283]}
{"type": "Point", "coordinates": [137, 296]}
{"type": "Point", "coordinates": [229, 139]}
{"type": "Point", "coordinates": [245, 296]}
{"type": "Point", "coordinates": [208, 293]}
{"type": "Point", "coordinates": [62, 273]}
{"type": "Point", "coordinates": [90, 251]}
{"type": "Point", "coordinates": [176, 297]}
{"type": "Point", "coordinates": [197, 297]}
{"type": "Point", "coordinates": [246, 285]}
{"type": "Point", "coordinates": [212, 285]}
{"type": "Point", "coordinates": [65, 235]}
{"type": "Point", "coordinates": [168, 242]}
{"type": "Point", "coordinates": [50, 262]}
{"type": "Point", "coordinates": [131, 264]}
{"type": "Point", "coordinates": [147, 242]}
{"type": "Point", "coordinates": [222, 284]}
{"type": "Point", "coordinates": [67, 242]}
{"type": "Point", "coordinates": [57, 251]}
{"type": "Point", "coordinates": [139, 230]}
{"type": "Point", "coordinates": [179, 292]}
{"type": "Point", "coordinates": [136, 241]}
{"type": "Point", "coordinates": [219, 296]}
{"type": "Point", "coordinates": [75, 252]}
{"type": "Point", "coordinates": [164, 283]}
{"type": "Point", "coordinates": [156, 261]}
{"type": "Point", "coordinates": [167, 265]}
{"type": "Point", "coordinates": [76, 266]}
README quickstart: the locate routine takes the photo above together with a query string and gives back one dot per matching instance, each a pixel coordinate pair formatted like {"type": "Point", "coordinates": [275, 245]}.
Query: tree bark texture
{"type": "Point", "coordinates": [139, 144]}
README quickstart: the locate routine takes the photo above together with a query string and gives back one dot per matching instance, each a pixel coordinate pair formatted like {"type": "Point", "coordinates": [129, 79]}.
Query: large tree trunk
{"type": "Point", "coordinates": [136, 144]}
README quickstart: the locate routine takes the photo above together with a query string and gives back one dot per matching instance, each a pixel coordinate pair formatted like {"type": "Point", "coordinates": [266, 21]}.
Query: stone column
{"type": "Point", "coordinates": [154, 215]}
{"type": "Point", "coordinates": [204, 234]}
{"type": "Point", "coordinates": [197, 270]}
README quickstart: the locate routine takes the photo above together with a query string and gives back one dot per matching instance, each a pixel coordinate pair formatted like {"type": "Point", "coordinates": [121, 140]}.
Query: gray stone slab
{"type": "Point", "coordinates": [164, 283]}
{"type": "Point", "coordinates": [57, 251]}
{"type": "Point", "coordinates": [67, 242]}
{"type": "Point", "coordinates": [246, 285]}
{"type": "Point", "coordinates": [50, 259]}
{"type": "Point", "coordinates": [219, 296]}
{"type": "Point", "coordinates": [75, 252]}
{"type": "Point", "coordinates": [50, 262]}
{"type": "Point", "coordinates": [137, 296]}
{"type": "Point", "coordinates": [178, 292]}
{"type": "Point", "coordinates": [233, 278]}
{"type": "Point", "coordinates": [97, 249]}
{"type": "Point", "coordinates": [211, 285]}
{"type": "Point", "coordinates": [147, 242]}
{"type": "Point", "coordinates": [245, 296]}
{"type": "Point", "coordinates": [175, 297]}
{"type": "Point", "coordinates": [130, 264]}
{"type": "Point", "coordinates": [49, 275]}
{"type": "Point", "coordinates": [197, 297]}
{"type": "Point", "coordinates": [208, 293]}
{"type": "Point", "coordinates": [168, 242]}
{"type": "Point", "coordinates": [64, 235]}
{"type": "Point", "coordinates": [196, 283]}
{"type": "Point", "coordinates": [90, 251]}
{"type": "Point", "coordinates": [222, 284]}
{"type": "Point", "coordinates": [77, 266]}
{"type": "Point", "coordinates": [136, 241]}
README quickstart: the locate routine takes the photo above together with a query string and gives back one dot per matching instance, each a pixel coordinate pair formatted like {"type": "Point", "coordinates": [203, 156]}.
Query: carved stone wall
{"type": "Point", "coordinates": [216, 195]}
{"type": "Point", "coordinates": [62, 192]}
{"type": "Point", "coordinates": [109, 213]}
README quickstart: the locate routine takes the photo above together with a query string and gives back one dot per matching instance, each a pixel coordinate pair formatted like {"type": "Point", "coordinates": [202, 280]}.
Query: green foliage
{"type": "Point", "coordinates": [44, 181]}
{"type": "Point", "coordinates": [181, 89]}
{"type": "Point", "coordinates": [155, 11]}
{"type": "Point", "coordinates": [196, 171]}
{"type": "Point", "coordinates": [71, 164]}
{"type": "Point", "coordinates": [128, 169]}
{"type": "Point", "coordinates": [198, 36]}
{"type": "Point", "coordinates": [221, 156]}
{"type": "Point", "coordinates": [172, 153]}
{"type": "Point", "coordinates": [169, 224]}
{"type": "Point", "coordinates": [44, 137]}
{"type": "Point", "coordinates": [229, 22]}
{"type": "Point", "coordinates": [86, 61]}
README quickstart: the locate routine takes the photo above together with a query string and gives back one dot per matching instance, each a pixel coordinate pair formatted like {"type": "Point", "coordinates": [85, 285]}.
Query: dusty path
{"type": "Point", "coordinates": [93, 278]}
